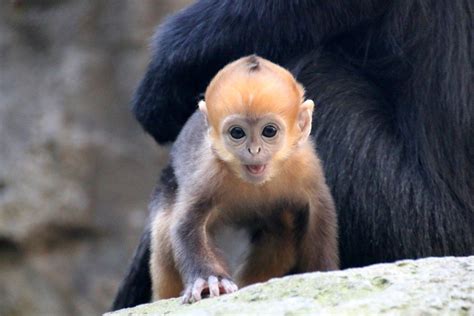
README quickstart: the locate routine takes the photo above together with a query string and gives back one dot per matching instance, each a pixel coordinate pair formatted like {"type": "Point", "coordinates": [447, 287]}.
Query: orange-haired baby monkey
{"type": "Point", "coordinates": [244, 199]}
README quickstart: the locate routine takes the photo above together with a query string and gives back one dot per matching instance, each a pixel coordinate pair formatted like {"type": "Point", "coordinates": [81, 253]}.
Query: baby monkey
{"type": "Point", "coordinates": [244, 198]}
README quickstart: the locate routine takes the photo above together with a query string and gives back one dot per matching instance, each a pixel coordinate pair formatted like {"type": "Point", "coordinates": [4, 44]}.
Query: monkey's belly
{"type": "Point", "coordinates": [235, 245]}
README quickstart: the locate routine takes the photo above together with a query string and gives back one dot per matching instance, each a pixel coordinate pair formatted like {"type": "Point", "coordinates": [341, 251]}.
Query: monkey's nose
{"type": "Point", "coordinates": [254, 150]}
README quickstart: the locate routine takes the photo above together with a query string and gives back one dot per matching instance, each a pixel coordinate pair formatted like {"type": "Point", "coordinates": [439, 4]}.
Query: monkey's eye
{"type": "Point", "coordinates": [237, 132]}
{"type": "Point", "coordinates": [269, 131]}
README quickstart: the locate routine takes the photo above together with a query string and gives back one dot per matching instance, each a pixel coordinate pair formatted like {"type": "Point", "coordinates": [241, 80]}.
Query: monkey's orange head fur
{"type": "Point", "coordinates": [256, 114]}
{"type": "Point", "coordinates": [253, 86]}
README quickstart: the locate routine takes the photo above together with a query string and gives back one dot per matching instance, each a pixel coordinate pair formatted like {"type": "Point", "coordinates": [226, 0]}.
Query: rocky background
{"type": "Point", "coordinates": [76, 170]}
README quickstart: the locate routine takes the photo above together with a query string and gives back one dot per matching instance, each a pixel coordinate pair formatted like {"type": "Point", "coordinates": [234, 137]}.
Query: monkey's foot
{"type": "Point", "coordinates": [214, 286]}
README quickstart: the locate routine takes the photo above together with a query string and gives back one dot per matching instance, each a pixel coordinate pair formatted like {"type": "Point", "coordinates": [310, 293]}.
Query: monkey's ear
{"type": "Point", "coordinates": [203, 108]}
{"type": "Point", "coordinates": [305, 118]}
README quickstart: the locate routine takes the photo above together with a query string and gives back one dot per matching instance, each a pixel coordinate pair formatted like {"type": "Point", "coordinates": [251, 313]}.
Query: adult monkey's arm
{"type": "Point", "coordinates": [191, 46]}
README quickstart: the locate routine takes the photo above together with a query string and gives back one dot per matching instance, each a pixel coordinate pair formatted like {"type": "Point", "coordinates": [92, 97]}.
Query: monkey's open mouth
{"type": "Point", "coordinates": [256, 169]}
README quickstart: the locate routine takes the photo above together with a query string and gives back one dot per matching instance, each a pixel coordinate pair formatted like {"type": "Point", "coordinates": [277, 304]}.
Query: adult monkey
{"type": "Point", "coordinates": [394, 121]}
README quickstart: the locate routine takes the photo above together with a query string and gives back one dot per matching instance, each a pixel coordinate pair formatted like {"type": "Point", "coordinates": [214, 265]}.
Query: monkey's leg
{"type": "Point", "coordinates": [198, 261]}
{"type": "Point", "coordinates": [318, 249]}
{"type": "Point", "coordinates": [166, 280]}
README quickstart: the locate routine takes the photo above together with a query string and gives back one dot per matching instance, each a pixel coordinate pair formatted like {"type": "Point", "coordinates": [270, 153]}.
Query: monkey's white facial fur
{"type": "Point", "coordinates": [253, 142]}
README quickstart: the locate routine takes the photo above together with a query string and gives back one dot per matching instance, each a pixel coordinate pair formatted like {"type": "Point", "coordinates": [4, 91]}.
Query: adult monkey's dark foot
{"type": "Point", "coordinates": [135, 288]}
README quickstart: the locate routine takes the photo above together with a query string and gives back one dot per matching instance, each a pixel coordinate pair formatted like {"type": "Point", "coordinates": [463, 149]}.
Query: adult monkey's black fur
{"type": "Point", "coordinates": [394, 120]}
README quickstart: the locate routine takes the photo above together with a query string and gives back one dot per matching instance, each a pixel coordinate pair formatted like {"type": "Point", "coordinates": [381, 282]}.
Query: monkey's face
{"type": "Point", "coordinates": [253, 145]}
{"type": "Point", "coordinates": [256, 117]}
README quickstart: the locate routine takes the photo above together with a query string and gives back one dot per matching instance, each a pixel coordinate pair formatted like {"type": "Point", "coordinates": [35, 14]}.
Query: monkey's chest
{"type": "Point", "coordinates": [250, 231]}
{"type": "Point", "coordinates": [235, 245]}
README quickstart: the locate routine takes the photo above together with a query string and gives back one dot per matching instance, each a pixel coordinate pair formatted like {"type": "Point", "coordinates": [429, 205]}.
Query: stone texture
{"type": "Point", "coordinates": [431, 286]}
{"type": "Point", "coordinates": [76, 170]}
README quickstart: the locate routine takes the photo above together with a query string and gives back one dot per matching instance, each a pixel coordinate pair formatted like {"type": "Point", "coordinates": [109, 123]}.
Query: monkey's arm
{"type": "Point", "coordinates": [196, 257]}
{"type": "Point", "coordinates": [194, 44]}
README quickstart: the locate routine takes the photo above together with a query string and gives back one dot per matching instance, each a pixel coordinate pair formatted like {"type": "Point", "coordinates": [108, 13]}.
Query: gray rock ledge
{"type": "Point", "coordinates": [430, 286]}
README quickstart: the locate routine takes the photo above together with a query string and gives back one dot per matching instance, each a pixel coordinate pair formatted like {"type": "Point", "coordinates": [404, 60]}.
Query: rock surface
{"type": "Point", "coordinates": [76, 170]}
{"type": "Point", "coordinates": [430, 286]}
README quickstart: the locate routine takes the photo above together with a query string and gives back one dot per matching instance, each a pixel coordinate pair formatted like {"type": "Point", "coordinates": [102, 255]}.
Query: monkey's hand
{"type": "Point", "coordinates": [214, 286]}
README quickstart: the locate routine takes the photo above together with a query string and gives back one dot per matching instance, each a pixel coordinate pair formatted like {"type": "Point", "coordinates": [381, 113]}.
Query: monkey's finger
{"type": "Point", "coordinates": [187, 296]}
{"type": "Point", "coordinates": [228, 286]}
{"type": "Point", "coordinates": [235, 287]}
{"type": "Point", "coordinates": [213, 283]}
{"type": "Point", "coordinates": [199, 285]}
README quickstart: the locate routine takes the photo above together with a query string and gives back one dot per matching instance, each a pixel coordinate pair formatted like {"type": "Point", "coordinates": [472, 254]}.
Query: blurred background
{"type": "Point", "coordinates": [76, 170]}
